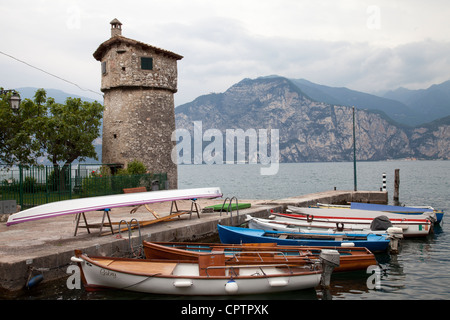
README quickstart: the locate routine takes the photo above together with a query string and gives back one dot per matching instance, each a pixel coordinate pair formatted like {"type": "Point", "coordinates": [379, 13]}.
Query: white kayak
{"type": "Point", "coordinates": [72, 206]}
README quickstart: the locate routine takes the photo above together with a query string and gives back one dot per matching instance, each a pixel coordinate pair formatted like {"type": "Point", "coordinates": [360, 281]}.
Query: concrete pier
{"type": "Point", "coordinates": [45, 246]}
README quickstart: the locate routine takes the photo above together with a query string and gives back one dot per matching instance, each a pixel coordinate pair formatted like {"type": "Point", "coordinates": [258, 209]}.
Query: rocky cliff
{"type": "Point", "coordinates": [311, 130]}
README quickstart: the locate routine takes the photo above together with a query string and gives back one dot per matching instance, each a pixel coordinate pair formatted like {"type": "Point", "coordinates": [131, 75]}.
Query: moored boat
{"type": "Point", "coordinates": [276, 223]}
{"type": "Point", "coordinates": [207, 276]}
{"type": "Point", "coordinates": [373, 242]}
{"type": "Point", "coordinates": [351, 259]}
{"type": "Point", "coordinates": [360, 213]}
{"type": "Point", "coordinates": [408, 210]}
{"type": "Point", "coordinates": [416, 226]}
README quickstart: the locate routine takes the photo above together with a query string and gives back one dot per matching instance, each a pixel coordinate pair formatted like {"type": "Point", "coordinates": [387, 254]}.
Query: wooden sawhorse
{"type": "Point", "coordinates": [193, 203]}
{"type": "Point", "coordinates": [95, 225]}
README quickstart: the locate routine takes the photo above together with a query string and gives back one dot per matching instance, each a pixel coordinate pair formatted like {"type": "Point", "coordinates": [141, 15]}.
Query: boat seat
{"type": "Point", "coordinates": [210, 264]}
{"type": "Point", "coordinates": [139, 266]}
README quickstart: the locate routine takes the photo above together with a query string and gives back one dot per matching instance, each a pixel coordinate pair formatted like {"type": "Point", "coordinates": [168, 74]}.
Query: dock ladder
{"type": "Point", "coordinates": [138, 251]}
{"type": "Point", "coordinates": [229, 206]}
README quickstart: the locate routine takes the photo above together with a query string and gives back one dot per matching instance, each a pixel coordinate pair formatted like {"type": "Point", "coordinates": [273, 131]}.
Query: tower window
{"type": "Point", "coordinates": [104, 67]}
{"type": "Point", "coordinates": [146, 63]}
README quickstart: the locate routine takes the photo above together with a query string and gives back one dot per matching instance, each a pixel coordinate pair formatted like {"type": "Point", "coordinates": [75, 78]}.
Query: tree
{"type": "Point", "coordinates": [69, 130]}
{"type": "Point", "coordinates": [64, 132]}
{"type": "Point", "coordinates": [17, 139]}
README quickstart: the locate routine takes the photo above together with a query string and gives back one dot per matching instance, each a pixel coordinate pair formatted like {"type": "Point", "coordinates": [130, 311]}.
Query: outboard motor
{"type": "Point", "coordinates": [395, 234]}
{"type": "Point", "coordinates": [380, 223]}
{"type": "Point", "coordinates": [330, 259]}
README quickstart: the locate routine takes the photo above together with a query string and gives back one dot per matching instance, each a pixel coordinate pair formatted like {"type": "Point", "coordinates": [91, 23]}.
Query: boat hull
{"type": "Point", "coordinates": [374, 243]}
{"type": "Point", "coordinates": [351, 259]}
{"type": "Point", "coordinates": [184, 279]}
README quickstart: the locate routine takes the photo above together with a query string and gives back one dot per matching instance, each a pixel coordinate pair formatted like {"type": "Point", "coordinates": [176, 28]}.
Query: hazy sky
{"type": "Point", "coordinates": [363, 45]}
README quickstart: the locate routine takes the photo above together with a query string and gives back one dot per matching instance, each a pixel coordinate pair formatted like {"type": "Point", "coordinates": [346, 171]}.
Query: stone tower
{"type": "Point", "coordinates": [138, 82]}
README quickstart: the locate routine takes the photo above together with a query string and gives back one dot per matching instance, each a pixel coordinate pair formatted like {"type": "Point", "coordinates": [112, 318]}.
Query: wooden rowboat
{"type": "Point", "coordinates": [207, 276]}
{"type": "Point", "coordinates": [351, 259]}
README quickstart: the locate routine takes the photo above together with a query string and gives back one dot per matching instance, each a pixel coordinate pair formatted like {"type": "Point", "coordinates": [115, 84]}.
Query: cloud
{"type": "Point", "coordinates": [212, 64]}
{"type": "Point", "coordinates": [364, 45]}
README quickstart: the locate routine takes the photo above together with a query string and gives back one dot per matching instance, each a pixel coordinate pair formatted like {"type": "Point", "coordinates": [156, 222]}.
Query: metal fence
{"type": "Point", "coordinates": [32, 186]}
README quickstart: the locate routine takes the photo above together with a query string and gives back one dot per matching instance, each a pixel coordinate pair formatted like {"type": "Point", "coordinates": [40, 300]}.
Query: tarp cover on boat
{"type": "Point", "coordinates": [383, 207]}
{"type": "Point", "coordinates": [380, 223]}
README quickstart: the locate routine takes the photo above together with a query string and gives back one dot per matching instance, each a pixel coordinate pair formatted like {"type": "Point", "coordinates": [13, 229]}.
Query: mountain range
{"type": "Point", "coordinates": [315, 121]}
{"type": "Point", "coordinates": [410, 107]}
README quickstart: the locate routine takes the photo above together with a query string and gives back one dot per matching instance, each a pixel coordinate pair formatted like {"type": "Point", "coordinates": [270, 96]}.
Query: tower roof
{"type": "Point", "coordinates": [118, 38]}
{"type": "Point", "coordinates": [115, 21]}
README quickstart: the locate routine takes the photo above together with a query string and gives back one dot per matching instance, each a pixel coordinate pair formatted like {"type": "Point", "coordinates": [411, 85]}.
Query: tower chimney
{"type": "Point", "coordinates": [116, 28]}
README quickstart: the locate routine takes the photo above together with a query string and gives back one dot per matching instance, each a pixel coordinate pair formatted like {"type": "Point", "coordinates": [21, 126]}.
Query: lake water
{"type": "Point", "coordinates": [420, 270]}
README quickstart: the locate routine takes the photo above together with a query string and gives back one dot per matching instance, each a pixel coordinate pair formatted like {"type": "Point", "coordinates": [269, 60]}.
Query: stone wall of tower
{"type": "Point", "coordinates": [123, 68]}
{"type": "Point", "coordinates": [138, 124]}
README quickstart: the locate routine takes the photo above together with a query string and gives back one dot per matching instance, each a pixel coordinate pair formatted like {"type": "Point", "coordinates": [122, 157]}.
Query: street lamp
{"type": "Point", "coordinates": [14, 101]}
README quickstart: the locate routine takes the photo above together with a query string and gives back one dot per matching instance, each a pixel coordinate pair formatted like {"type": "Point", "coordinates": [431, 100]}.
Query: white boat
{"type": "Point", "coordinates": [59, 208]}
{"type": "Point", "coordinates": [420, 225]}
{"type": "Point", "coordinates": [275, 224]}
{"type": "Point", "coordinates": [410, 210]}
{"type": "Point", "coordinates": [358, 213]}
{"type": "Point", "coordinates": [209, 276]}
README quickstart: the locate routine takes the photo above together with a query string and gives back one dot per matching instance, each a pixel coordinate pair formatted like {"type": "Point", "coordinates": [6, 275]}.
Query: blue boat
{"type": "Point", "coordinates": [237, 235]}
{"type": "Point", "coordinates": [397, 209]}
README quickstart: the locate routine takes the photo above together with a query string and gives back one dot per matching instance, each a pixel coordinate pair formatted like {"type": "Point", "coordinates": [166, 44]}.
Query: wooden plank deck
{"type": "Point", "coordinates": [138, 266]}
